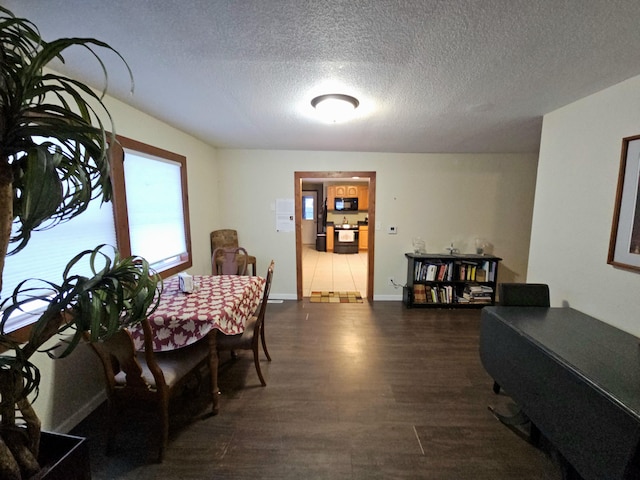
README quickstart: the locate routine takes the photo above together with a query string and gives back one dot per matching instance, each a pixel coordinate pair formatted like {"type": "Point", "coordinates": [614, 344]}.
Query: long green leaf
{"type": "Point", "coordinates": [75, 118]}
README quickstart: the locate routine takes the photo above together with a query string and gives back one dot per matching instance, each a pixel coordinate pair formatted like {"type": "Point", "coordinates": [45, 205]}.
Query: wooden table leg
{"type": "Point", "coordinates": [213, 367]}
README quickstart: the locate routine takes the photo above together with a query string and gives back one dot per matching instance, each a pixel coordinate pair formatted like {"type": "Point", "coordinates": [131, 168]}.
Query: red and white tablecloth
{"type": "Point", "coordinates": [224, 302]}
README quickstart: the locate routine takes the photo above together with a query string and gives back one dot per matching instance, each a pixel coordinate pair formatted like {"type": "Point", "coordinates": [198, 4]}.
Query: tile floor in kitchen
{"type": "Point", "coordinates": [333, 271]}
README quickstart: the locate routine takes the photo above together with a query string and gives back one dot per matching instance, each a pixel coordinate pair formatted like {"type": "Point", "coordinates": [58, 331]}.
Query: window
{"type": "Point", "coordinates": [148, 217]}
{"type": "Point", "coordinates": [49, 250]}
{"type": "Point", "coordinates": [307, 208]}
{"type": "Point", "coordinates": [151, 205]}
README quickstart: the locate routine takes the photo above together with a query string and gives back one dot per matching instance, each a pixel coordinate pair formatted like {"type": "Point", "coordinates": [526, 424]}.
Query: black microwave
{"type": "Point", "coordinates": [346, 204]}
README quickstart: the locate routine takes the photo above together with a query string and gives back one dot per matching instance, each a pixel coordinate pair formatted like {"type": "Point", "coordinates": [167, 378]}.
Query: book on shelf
{"type": "Point", "coordinates": [432, 271]}
{"type": "Point", "coordinates": [419, 294]}
{"type": "Point", "coordinates": [441, 294]}
{"type": "Point", "coordinates": [486, 272]}
{"type": "Point", "coordinates": [420, 271]}
{"type": "Point", "coordinates": [442, 272]}
{"type": "Point", "coordinates": [449, 293]}
{"type": "Point", "coordinates": [428, 294]}
{"type": "Point", "coordinates": [475, 293]}
{"type": "Point", "coordinates": [434, 295]}
{"type": "Point", "coordinates": [467, 271]}
{"type": "Point", "coordinates": [489, 269]}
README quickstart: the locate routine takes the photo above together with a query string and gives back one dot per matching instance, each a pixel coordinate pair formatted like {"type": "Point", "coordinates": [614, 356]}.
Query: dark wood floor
{"type": "Point", "coordinates": [354, 391]}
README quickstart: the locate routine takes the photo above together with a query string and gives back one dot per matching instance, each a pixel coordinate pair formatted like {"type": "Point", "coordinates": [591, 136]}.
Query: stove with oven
{"type": "Point", "coordinates": [346, 238]}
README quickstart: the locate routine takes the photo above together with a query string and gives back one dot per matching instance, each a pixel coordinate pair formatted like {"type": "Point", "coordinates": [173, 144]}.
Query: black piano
{"type": "Point", "coordinates": [576, 378]}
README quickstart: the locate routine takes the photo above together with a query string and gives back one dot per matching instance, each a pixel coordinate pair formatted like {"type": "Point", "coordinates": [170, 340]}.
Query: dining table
{"type": "Point", "coordinates": [217, 303]}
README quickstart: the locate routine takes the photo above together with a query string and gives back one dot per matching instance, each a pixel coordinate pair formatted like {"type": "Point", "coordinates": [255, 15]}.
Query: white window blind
{"type": "Point", "coordinates": [49, 251]}
{"type": "Point", "coordinates": [156, 219]}
{"type": "Point", "coordinates": [154, 207]}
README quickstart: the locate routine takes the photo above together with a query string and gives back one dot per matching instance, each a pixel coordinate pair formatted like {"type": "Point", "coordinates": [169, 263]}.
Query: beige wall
{"type": "Point", "coordinates": [575, 195]}
{"type": "Point", "coordinates": [440, 198]}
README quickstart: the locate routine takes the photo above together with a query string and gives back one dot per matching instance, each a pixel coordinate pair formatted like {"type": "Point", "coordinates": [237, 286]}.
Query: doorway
{"type": "Point", "coordinates": [333, 176]}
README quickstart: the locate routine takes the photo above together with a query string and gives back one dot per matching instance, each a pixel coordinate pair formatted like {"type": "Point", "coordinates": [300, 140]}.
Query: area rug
{"type": "Point", "coordinates": [335, 297]}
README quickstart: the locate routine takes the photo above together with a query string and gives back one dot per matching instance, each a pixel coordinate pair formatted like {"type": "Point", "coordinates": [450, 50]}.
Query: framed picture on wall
{"type": "Point", "coordinates": [624, 245]}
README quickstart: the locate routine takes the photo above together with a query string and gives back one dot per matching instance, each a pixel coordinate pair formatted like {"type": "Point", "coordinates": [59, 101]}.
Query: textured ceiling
{"type": "Point", "coordinates": [431, 75]}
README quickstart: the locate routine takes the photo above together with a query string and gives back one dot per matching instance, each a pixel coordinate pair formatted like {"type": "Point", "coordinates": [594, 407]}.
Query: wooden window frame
{"type": "Point", "coordinates": [121, 218]}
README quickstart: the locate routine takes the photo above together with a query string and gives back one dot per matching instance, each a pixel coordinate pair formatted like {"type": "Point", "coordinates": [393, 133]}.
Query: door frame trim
{"type": "Point", "coordinates": [298, 178]}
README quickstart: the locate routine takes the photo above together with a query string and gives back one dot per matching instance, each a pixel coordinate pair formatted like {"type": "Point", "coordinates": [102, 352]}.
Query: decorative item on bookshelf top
{"type": "Point", "coordinates": [419, 246]}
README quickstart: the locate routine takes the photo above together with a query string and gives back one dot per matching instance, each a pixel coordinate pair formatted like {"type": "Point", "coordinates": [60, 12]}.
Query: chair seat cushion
{"type": "Point", "coordinates": [175, 364]}
{"type": "Point", "coordinates": [241, 340]}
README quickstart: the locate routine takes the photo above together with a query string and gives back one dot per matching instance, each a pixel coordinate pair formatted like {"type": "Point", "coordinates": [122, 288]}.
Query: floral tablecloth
{"type": "Point", "coordinates": [224, 302]}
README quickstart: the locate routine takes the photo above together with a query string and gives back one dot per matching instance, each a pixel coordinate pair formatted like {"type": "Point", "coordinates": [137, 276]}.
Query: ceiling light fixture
{"type": "Point", "coordinates": [335, 107]}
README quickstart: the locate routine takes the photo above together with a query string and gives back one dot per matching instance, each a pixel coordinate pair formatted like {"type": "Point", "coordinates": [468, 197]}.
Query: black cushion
{"type": "Point", "coordinates": [524, 294]}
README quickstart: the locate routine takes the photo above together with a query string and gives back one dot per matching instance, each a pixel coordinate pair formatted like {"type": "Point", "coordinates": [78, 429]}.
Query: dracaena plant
{"type": "Point", "coordinates": [43, 183]}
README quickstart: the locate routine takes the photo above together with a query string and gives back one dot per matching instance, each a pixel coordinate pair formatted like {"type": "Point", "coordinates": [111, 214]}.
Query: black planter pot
{"type": "Point", "coordinates": [63, 457]}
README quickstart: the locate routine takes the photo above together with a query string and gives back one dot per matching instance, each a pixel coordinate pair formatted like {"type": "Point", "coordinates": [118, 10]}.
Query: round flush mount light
{"type": "Point", "coordinates": [335, 107]}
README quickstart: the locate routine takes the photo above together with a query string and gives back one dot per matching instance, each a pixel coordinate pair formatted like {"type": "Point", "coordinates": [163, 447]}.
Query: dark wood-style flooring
{"type": "Point", "coordinates": [354, 391]}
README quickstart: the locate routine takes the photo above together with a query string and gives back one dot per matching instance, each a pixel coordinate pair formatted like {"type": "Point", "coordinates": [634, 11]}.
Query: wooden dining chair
{"type": "Point", "coordinates": [145, 380]}
{"type": "Point", "coordinates": [253, 333]}
{"type": "Point", "coordinates": [229, 261]}
{"type": "Point", "coordinates": [227, 238]}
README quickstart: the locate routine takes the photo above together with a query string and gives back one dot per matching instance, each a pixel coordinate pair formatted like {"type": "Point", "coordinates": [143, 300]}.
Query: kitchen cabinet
{"type": "Point", "coordinates": [346, 190]}
{"type": "Point", "coordinates": [361, 192]}
{"type": "Point", "coordinates": [331, 196]}
{"type": "Point", "coordinates": [363, 237]}
{"type": "Point", "coordinates": [330, 238]}
{"type": "Point", "coordinates": [363, 198]}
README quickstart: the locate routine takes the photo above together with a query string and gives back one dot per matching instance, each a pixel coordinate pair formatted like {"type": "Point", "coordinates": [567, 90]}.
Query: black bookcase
{"type": "Point", "coordinates": [450, 281]}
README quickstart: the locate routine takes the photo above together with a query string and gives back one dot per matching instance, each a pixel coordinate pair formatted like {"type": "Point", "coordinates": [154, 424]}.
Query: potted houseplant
{"type": "Point", "coordinates": [42, 184]}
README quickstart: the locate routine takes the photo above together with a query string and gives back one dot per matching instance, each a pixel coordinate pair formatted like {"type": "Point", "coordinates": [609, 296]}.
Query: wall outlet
{"type": "Point", "coordinates": [391, 281]}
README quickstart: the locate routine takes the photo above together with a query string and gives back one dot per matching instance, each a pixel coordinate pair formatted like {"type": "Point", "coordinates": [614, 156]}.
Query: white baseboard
{"type": "Point", "coordinates": [378, 298]}
{"type": "Point", "coordinates": [282, 296]}
{"type": "Point", "coordinates": [387, 298]}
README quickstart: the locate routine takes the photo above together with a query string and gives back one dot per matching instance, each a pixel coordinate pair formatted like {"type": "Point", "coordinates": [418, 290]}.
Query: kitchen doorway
{"type": "Point", "coordinates": [320, 177]}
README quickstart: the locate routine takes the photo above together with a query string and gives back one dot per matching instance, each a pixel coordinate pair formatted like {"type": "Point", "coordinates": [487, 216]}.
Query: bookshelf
{"type": "Point", "coordinates": [450, 281]}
